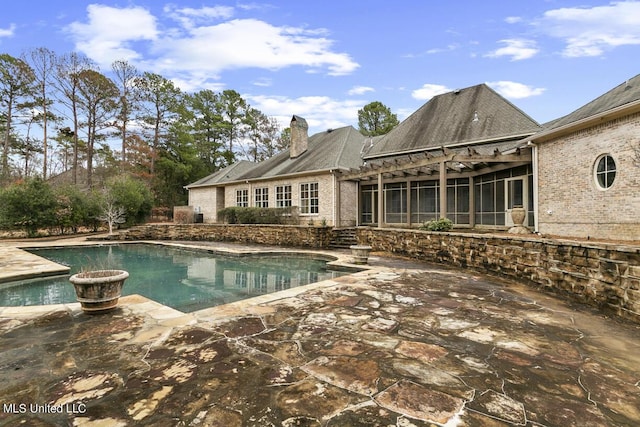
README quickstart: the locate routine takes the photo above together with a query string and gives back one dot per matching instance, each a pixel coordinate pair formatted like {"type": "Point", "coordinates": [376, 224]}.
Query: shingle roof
{"type": "Point", "coordinates": [622, 94]}
{"type": "Point", "coordinates": [332, 149]}
{"type": "Point", "coordinates": [230, 173]}
{"type": "Point", "coordinates": [475, 114]}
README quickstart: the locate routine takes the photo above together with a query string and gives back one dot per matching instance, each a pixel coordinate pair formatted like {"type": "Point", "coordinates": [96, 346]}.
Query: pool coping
{"type": "Point", "coordinates": [337, 260]}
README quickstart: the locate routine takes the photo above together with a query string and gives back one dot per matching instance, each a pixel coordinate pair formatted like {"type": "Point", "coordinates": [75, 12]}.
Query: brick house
{"type": "Point", "coordinates": [588, 168]}
{"type": "Point", "coordinates": [468, 155]}
{"type": "Point", "coordinates": [459, 156]}
{"type": "Point", "coordinates": [305, 176]}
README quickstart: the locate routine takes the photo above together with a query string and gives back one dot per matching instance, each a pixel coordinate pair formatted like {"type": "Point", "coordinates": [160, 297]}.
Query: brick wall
{"type": "Point", "coordinates": [571, 203]}
{"type": "Point", "coordinates": [209, 200]}
{"type": "Point", "coordinates": [602, 275]}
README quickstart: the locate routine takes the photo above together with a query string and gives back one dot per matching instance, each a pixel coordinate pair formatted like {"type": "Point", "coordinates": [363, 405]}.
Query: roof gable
{"type": "Point", "coordinates": [228, 173]}
{"type": "Point", "coordinates": [332, 149]}
{"type": "Point", "coordinates": [471, 115]}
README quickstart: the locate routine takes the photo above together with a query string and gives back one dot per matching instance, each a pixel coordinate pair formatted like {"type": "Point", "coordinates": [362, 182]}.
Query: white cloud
{"type": "Point", "coordinates": [250, 43]}
{"type": "Point", "coordinates": [592, 31]}
{"type": "Point", "coordinates": [188, 17]}
{"type": "Point", "coordinates": [428, 91]}
{"type": "Point", "coordinates": [196, 45]}
{"type": "Point", "coordinates": [109, 32]}
{"type": "Point", "coordinates": [360, 90]}
{"type": "Point", "coordinates": [320, 112]}
{"type": "Point", "coordinates": [517, 49]}
{"type": "Point", "coordinates": [263, 82]}
{"type": "Point", "coordinates": [512, 19]}
{"type": "Point", "coordinates": [514, 90]}
{"type": "Point", "coordinates": [7, 32]}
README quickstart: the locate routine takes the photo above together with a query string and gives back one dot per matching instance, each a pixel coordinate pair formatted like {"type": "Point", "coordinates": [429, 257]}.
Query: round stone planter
{"type": "Point", "coordinates": [360, 253]}
{"type": "Point", "coordinates": [98, 291]}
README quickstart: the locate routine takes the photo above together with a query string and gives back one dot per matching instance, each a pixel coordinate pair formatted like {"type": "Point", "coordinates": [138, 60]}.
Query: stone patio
{"type": "Point", "coordinates": [402, 344]}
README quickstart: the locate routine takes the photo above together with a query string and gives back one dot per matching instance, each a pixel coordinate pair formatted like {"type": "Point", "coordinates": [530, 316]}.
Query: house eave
{"type": "Point", "coordinates": [451, 145]}
{"type": "Point", "coordinates": [271, 178]}
{"type": "Point", "coordinates": [587, 122]}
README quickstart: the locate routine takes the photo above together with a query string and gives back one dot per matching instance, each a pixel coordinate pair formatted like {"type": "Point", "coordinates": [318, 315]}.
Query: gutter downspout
{"type": "Point", "coordinates": [534, 164]}
{"type": "Point", "coordinates": [336, 199]}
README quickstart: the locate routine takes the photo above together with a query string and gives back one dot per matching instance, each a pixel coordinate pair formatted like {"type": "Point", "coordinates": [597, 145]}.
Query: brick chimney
{"type": "Point", "coordinates": [299, 136]}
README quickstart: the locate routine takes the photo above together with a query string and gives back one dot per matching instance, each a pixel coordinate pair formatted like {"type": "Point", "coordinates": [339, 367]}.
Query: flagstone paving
{"type": "Point", "coordinates": [411, 345]}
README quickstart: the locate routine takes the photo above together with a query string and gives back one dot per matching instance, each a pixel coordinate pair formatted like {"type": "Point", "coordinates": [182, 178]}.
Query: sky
{"type": "Point", "coordinates": [325, 60]}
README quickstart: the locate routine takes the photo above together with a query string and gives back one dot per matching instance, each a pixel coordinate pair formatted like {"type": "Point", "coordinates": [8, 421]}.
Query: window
{"type": "Point", "coordinates": [309, 198]}
{"type": "Point", "coordinates": [395, 203]}
{"type": "Point", "coordinates": [369, 204]}
{"type": "Point", "coordinates": [283, 196]}
{"type": "Point", "coordinates": [491, 192]}
{"type": "Point", "coordinates": [605, 171]}
{"type": "Point", "coordinates": [425, 201]}
{"type": "Point", "coordinates": [458, 200]}
{"type": "Point", "coordinates": [262, 197]}
{"type": "Point", "coordinates": [242, 198]}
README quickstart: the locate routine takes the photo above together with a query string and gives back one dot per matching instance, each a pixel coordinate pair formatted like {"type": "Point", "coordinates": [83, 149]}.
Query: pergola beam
{"type": "Point", "coordinates": [468, 159]}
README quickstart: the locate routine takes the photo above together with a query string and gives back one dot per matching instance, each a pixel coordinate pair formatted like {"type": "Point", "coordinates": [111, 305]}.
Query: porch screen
{"type": "Point", "coordinates": [425, 201]}
{"type": "Point", "coordinates": [458, 200]}
{"type": "Point", "coordinates": [395, 203]}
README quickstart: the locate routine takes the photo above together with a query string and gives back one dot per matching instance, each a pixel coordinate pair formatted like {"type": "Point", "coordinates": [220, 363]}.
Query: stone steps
{"type": "Point", "coordinates": [343, 238]}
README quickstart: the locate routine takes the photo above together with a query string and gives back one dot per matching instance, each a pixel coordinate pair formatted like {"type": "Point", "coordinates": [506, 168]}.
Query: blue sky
{"type": "Point", "coordinates": [323, 60]}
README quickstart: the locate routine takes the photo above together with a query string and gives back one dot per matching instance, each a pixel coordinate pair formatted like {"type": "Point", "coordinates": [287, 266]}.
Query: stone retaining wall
{"type": "Point", "coordinates": [278, 235]}
{"type": "Point", "coordinates": [602, 275]}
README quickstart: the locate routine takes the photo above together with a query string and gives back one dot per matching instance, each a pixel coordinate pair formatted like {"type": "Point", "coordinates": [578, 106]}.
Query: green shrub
{"type": "Point", "coordinates": [133, 195]}
{"type": "Point", "coordinates": [28, 205]}
{"type": "Point", "coordinates": [442, 224]}
{"type": "Point", "coordinates": [252, 215]}
{"type": "Point", "coordinates": [228, 215]}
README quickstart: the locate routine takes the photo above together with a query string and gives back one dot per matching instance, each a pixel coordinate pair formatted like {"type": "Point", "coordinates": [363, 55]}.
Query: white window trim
{"type": "Point", "coordinates": [264, 197]}
{"type": "Point", "coordinates": [310, 198]}
{"type": "Point", "coordinates": [241, 193]}
{"type": "Point", "coordinates": [275, 195]}
{"type": "Point", "coordinates": [595, 172]}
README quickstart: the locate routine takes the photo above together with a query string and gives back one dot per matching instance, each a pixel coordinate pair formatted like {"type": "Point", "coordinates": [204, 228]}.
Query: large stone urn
{"type": "Point", "coordinates": [360, 253]}
{"type": "Point", "coordinates": [518, 215]}
{"type": "Point", "coordinates": [98, 291]}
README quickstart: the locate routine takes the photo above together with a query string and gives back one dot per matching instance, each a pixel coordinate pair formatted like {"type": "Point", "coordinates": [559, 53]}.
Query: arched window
{"type": "Point", "coordinates": [605, 171]}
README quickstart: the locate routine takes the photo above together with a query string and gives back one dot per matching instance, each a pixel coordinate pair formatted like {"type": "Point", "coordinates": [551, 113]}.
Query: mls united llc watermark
{"type": "Point", "coordinates": [47, 408]}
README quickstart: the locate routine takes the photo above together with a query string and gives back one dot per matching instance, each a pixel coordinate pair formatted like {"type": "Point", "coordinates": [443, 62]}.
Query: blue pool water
{"type": "Point", "coordinates": [183, 279]}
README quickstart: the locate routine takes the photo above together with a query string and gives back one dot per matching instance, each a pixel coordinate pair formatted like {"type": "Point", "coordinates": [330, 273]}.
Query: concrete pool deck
{"type": "Point", "coordinates": [403, 344]}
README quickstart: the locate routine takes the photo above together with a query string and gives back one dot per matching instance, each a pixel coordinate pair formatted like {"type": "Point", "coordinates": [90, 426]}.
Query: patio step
{"type": "Point", "coordinates": [343, 238]}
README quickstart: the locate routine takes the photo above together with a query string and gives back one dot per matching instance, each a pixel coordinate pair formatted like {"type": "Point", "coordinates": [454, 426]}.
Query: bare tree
{"type": "Point", "coordinates": [16, 82]}
{"type": "Point", "coordinates": [112, 214]}
{"type": "Point", "coordinates": [43, 62]}
{"type": "Point", "coordinates": [262, 132]}
{"type": "Point", "coordinates": [97, 96]}
{"type": "Point", "coordinates": [160, 98]}
{"type": "Point", "coordinates": [67, 80]}
{"type": "Point", "coordinates": [126, 77]}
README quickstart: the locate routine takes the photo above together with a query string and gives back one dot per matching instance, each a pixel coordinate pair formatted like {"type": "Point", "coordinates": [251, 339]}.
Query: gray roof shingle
{"type": "Point", "coordinates": [230, 173]}
{"type": "Point", "coordinates": [475, 114]}
{"type": "Point", "coordinates": [333, 149]}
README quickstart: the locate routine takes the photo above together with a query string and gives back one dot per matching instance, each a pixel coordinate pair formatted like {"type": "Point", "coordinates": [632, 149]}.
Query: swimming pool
{"type": "Point", "coordinates": [187, 280]}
